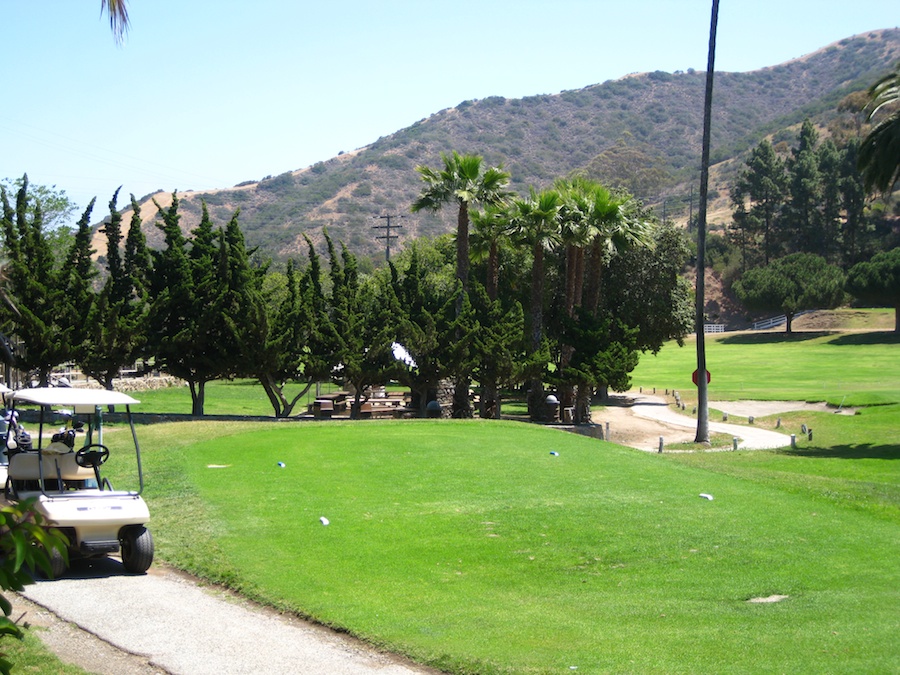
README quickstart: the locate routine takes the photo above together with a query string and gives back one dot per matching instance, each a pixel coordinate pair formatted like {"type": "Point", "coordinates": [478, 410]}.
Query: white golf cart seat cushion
{"type": "Point", "coordinates": [24, 466]}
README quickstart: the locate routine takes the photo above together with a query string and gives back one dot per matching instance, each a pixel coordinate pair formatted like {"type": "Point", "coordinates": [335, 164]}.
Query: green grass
{"type": "Point", "coordinates": [853, 368]}
{"type": "Point", "coordinates": [226, 397]}
{"type": "Point", "coordinates": [467, 545]}
{"type": "Point", "coordinates": [31, 656]}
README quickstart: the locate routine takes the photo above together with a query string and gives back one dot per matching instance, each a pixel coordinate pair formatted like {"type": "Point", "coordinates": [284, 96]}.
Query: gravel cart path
{"type": "Point", "coordinates": [165, 622]}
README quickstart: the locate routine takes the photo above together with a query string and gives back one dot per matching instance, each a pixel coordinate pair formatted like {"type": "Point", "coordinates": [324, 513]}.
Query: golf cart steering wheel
{"type": "Point", "coordinates": [92, 456]}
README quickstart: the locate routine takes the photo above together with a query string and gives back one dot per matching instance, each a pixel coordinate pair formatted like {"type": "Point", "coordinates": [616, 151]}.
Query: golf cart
{"type": "Point", "coordinates": [66, 480]}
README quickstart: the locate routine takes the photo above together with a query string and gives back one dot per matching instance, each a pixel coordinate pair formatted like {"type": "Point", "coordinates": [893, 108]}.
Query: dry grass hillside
{"type": "Point", "coordinates": [641, 131]}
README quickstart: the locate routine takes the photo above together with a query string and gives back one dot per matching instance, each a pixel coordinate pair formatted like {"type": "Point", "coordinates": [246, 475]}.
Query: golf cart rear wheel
{"type": "Point", "coordinates": [137, 549]}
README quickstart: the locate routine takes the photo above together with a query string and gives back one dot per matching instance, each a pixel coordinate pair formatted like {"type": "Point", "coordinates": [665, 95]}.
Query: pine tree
{"type": "Point", "coordinates": [361, 327]}
{"type": "Point", "coordinates": [48, 304]}
{"type": "Point", "coordinates": [117, 322]}
{"type": "Point", "coordinates": [828, 242]}
{"type": "Point", "coordinates": [763, 183]}
{"type": "Point", "coordinates": [803, 220]}
{"type": "Point", "coordinates": [179, 320]}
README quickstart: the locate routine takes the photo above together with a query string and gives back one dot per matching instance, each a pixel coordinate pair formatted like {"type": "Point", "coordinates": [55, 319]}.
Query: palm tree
{"type": "Point", "coordinates": [576, 231]}
{"type": "Point", "coordinates": [465, 181]}
{"type": "Point", "coordinates": [616, 224]}
{"type": "Point", "coordinates": [535, 222]}
{"type": "Point", "coordinates": [489, 228]}
{"type": "Point", "coordinates": [118, 17]}
{"type": "Point", "coordinates": [879, 154]}
{"type": "Point", "coordinates": [702, 435]}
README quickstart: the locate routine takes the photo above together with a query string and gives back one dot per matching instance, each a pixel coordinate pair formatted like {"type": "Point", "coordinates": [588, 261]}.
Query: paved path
{"type": "Point", "coordinates": [751, 438]}
{"type": "Point", "coordinates": [181, 627]}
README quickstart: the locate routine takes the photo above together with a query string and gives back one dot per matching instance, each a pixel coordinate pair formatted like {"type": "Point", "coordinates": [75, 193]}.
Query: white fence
{"type": "Point", "coordinates": [777, 320]}
{"type": "Point", "coordinates": [770, 323]}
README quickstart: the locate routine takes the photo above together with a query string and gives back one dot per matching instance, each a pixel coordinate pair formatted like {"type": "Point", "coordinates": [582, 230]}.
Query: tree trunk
{"type": "Point", "coordinates": [702, 435]}
{"type": "Point", "coordinates": [536, 411]}
{"type": "Point", "coordinates": [198, 395]}
{"type": "Point", "coordinates": [537, 297]}
{"type": "Point", "coordinates": [583, 404]}
{"type": "Point", "coordinates": [490, 400]}
{"type": "Point", "coordinates": [897, 318]}
{"type": "Point", "coordinates": [273, 393]}
{"type": "Point", "coordinates": [595, 272]}
{"type": "Point", "coordinates": [462, 248]}
{"type": "Point", "coordinates": [567, 391]}
{"type": "Point", "coordinates": [789, 319]}
{"type": "Point", "coordinates": [579, 275]}
{"type": "Point", "coordinates": [536, 391]}
{"type": "Point", "coordinates": [356, 406]}
{"type": "Point", "coordinates": [493, 272]}
{"type": "Point", "coordinates": [462, 407]}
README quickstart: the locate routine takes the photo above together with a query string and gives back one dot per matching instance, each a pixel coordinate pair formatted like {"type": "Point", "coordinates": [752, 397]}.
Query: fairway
{"type": "Point", "coordinates": [470, 546]}
{"type": "Point", "coordinates": [850, 368]}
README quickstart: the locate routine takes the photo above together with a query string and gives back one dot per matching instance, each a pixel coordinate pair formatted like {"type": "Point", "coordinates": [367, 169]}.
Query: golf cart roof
{"type": "Point", "coordinates": [71, 397]}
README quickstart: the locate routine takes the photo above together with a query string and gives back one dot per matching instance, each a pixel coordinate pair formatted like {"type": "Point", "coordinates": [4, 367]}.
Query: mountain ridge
{"type": "Point", "coordinates": [641, 131]}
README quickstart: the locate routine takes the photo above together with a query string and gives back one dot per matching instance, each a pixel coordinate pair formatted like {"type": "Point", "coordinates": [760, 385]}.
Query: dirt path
{"type": "Point", "coordinates": [639, 420]}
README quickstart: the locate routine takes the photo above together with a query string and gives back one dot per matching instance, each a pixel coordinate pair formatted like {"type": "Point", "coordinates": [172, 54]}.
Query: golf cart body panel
{"type": "Point", "coordinates": [66, 480]}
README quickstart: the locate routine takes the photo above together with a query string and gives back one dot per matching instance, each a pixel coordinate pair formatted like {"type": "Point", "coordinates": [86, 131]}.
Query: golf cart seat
{"type": "Point", "coordinates": [24, 466]}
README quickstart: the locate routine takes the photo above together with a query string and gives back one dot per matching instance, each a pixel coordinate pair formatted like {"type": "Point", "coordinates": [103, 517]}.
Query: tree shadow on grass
{"type": "Point", "coordinates": [773, 338]}
{"type": "Point", "coordinates": [873, 338]}
{"type": "Point", "coordinates": [861, 451]}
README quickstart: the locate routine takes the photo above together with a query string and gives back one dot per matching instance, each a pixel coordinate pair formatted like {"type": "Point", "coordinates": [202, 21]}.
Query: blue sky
{"type": "Point", "coordinates": [207, 94]}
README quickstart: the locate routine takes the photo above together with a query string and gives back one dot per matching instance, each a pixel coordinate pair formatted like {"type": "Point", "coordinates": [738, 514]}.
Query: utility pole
{"type": "Point", "coordinates": [387, 236]}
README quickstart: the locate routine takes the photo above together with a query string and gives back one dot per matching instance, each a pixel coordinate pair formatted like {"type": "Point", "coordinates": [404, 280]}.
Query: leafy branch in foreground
{"type": "Point", "coordinates": [26, 544]}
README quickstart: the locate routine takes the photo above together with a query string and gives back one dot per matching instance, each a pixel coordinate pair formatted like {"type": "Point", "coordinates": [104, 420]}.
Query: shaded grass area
{"type": "Point", "coordinates": [467, 545]}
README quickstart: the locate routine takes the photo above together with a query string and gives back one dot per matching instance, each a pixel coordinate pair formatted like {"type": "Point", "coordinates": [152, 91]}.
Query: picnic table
{"type": "Point", "coordinates": [326, 405]}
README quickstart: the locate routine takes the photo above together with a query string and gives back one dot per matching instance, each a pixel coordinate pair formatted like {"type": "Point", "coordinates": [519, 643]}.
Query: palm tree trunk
{"type": "Point", "coordinates": [567, 390]}
{"type": "Point", "coordinates": [462, 248]}
{"type": "Point", "coordinates": [536, 391]}
{"type": "Point", "coordinates": [579, 275]}
{"type": "Point", "coordinates": [702, 435]}
{"type": "Point", "coordinates": [595, 273]}
{"type": "Point", "coordinates": [493, 271]}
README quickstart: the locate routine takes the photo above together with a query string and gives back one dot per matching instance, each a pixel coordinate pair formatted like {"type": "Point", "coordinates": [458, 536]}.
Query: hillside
{"type": "Point", "coordinates": [642, 131]}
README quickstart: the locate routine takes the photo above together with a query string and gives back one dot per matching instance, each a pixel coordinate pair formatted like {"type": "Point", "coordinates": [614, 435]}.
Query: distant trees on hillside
{"type": "Point", "coordinates": [814, 198]}
{"type": "Point", "coordinates": [812, 201]}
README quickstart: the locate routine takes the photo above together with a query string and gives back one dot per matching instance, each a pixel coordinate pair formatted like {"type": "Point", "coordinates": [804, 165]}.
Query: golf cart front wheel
{"type": "Point", "coordinates": [58, 565]}
{"type": "Point", "coordinates": [137, 549]}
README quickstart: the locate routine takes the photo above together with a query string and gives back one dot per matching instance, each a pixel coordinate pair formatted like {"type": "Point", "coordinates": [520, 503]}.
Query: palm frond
{"type": "Point", "coordinates": [118, 17]}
